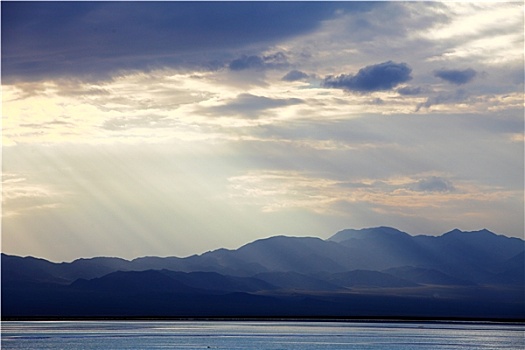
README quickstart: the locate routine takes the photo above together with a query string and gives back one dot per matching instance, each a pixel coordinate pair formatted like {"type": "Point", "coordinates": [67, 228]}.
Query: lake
{"type": "Point", "coordinates": [260, 335]}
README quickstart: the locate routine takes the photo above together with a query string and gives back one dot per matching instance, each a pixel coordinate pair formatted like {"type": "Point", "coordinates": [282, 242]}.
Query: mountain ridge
{"type": "Point", "coordinates": [302, 254]}
{"type": "Point", "coordinates": [470, 273]}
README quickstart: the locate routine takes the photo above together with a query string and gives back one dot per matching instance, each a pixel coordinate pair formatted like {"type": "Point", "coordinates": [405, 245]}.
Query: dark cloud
{"type": "Point", "coordinates": [459, 95]}
{"type": "Point", "coordinates": [456, 76]}
{"type": "Point", "coordinates": [247, 62]}
{"type": "Point", "coordinates": [250, 105]}
{"type": "Point", "coordinates": [50, 39]}
{"type": "Point", "coordinates": [433, 184]}
{"type": "Point", "coordinates": [382, 76]}
{"type": "Point", "coordinates": [277, 60]}
{"type": "Point", "coordinates": [295, 75]}
{"type": "Point", "coordinates": [409, 91]}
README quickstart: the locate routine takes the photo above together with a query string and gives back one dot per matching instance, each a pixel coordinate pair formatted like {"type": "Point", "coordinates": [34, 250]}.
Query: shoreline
{"type": "Point", "coordinates": [357, 319]}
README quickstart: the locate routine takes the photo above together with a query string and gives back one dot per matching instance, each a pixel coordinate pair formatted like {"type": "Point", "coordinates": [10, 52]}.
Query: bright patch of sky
{"type": "Point", "coordinates": [176, 128]}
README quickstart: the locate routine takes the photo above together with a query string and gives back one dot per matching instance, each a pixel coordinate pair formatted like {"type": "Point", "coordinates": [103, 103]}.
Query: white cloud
{"type": "Point", "coordinates": [22, 197]}
{"type": "Point", "coordinates": [430, 198]}
{"type": "Point", "coordinates": [487, 32]}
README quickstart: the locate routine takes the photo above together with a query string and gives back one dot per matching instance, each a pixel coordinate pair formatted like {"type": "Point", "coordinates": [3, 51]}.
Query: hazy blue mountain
{"type": "Point", "coordinates": [472, 255]}
{"type": "Point", "coordinates": [455, 258]}
{"type": "Point", "coordinates": [511, 271]}
{"type": "Point", "coordinates": [469, 256]}
{"type": "Point", "coordinates": [212, 281]}
{"type": "Point", "coordinates": [484, 243]}
{"type": "Point", "coordinates": [516, 262]}
{"type": "Point", "coordinates": [368, 279]}
{"type": "Point", "coordinates": [29, 269]}
{"type": "Point", "coordinates": [373, 271]}
{"type": "Point", "coordinates": [426, 276]}
{"type": "Point", "coordinates": [479, 247]}
{"type": "Point", "coordinates": [298, 254]}
{"type": "Point", "coordinates": [381, 232]}
{"type": "Point", "coordinates": [381, 248]}
{"type": "Point", "coordinates": [93, 267]}
{"type": "Point", "coordinates": [167, 281]}
{"type": "Point", "coordinates": [293, 281]}
{"type": "Point", "coordinates": [134, 282]}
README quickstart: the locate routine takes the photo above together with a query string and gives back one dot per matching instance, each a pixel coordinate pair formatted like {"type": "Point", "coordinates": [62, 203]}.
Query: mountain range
{"type": "Point", "coordinates": [372, 272]}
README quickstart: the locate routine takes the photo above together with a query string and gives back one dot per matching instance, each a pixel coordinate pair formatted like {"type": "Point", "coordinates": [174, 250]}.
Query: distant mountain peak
{"type": "Point", "coordinates": [457, 231]}
{"type": "Point", "coordinates": [484, 230]}
{"type": "Point", "coordinates": [454, 231]}
{"type": "Point", "coordinates": [366, 233]}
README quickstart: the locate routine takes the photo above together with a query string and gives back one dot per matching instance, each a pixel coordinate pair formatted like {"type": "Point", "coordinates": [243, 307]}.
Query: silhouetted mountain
{"type": "Point", "coordinates": [40, 270]}
{"type": "Point", "coordinates": [29, 269]}
{"type": "Point", "coordinates": [458, 273]}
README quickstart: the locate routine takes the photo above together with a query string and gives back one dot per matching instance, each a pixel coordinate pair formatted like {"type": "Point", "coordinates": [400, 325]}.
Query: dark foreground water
{"type": "Point", "coordinates": [246, 335]}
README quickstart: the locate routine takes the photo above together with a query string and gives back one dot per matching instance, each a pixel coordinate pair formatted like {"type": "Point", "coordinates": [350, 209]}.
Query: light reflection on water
{"type": "Point", "coordinates": [272, 335]}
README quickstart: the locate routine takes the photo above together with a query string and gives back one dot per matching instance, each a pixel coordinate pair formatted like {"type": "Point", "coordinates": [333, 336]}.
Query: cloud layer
{"type": "Point", "coordinates": [99, 38]}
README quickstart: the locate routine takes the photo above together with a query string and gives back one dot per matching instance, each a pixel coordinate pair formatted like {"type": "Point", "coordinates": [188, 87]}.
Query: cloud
{"type": "Point", "coordinates": [295, 75]}
{"type": "Point", "coordinates": [382, 76]}
{"type": "Point", "coordinates": [247, 62]}
{"type": "Point", "coordinates": [149, 121]}
{"type": "Point", "coordinates": [456, 76]}
{"type": "Point", "coordinates": [20, 195]}
{"type": "Point", "coordinates": [50, 39]}
{"type": "Point", "coordinates": [47, 125]}
{"type": "Point", "coordinates": [433, 184]}
{"type": "Point", "coordinates": [409, 91]}
{"type": "Point", "coordinates": [430, 197]}
{"type": "Point", "coordinates": [250, 105]}
{"type": "Point", "coordinates": [276, 60]}
{"type": "Point", "coordinates": [457, 96]}
{"type": "Point", "coordinates": [376, 101]}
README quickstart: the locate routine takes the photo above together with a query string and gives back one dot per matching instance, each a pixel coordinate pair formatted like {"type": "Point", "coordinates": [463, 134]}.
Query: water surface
{"type": "Point", "coordinates": [267, 335]}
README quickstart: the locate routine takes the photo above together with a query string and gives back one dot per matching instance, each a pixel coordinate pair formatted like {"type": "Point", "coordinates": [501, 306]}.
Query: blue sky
{"type": "Point", "coordinates": [174, 128]}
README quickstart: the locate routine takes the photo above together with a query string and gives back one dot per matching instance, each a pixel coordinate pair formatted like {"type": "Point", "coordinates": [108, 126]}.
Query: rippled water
{"type": "Point", "coordinates": [259, 335]}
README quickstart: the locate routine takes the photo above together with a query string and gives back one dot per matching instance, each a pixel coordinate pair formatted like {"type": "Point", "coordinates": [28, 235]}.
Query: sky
{"type": "Point", "coordinates": [173, 128]}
